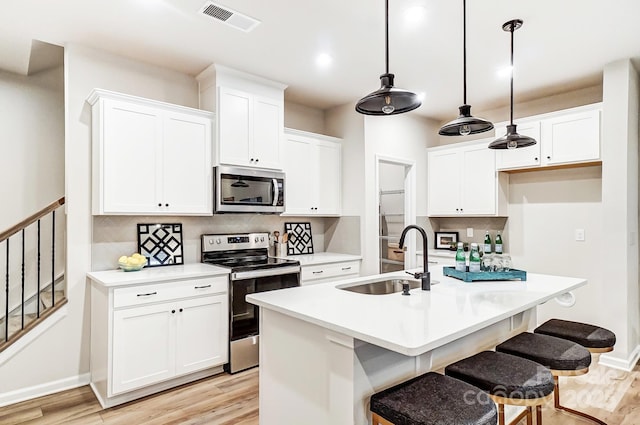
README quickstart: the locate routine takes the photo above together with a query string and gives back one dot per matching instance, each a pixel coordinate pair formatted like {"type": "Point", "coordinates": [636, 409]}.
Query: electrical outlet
{"type": "Point", "coordinates": [469, 232]}
{"type": "Point", "coordinates": [580, 234]}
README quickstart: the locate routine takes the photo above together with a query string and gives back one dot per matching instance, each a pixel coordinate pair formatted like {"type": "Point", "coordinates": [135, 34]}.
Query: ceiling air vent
{"type": "Point", "coordinates": [229, 16]}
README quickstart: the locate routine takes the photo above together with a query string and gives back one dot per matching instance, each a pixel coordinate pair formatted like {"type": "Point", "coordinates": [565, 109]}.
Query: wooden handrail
{"type": "Point", "coordinates": [30, 220]}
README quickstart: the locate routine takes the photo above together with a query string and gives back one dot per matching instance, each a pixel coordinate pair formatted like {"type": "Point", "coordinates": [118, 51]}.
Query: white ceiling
{"type": "Point", "coordinates": [563, 45]}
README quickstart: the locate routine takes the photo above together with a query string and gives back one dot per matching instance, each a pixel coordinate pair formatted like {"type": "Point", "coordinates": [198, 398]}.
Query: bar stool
{"type": "Point", "coordinates": [561, 356]}
{"type": "Point", "coordinates": [432, 399]}
{"type": "Point", "coordinates": [507, 379]}
{"type": "Point", "coordinates": [593, 338]}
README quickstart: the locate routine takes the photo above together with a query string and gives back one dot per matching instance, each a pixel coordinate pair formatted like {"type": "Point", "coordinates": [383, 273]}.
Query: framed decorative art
{"type": "Point", "coordinates": [300, 240]}
{"type": "Point", "coordinates": [444, 240]}
{"type": "Point", "coordinates": [161, 243]}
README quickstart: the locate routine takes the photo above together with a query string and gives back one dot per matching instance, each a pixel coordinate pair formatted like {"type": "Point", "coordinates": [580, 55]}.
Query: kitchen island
{"type": "Point", "coordinates": [325, 350]}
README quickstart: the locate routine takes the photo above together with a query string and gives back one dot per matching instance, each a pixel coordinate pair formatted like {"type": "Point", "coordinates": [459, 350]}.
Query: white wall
{"type": "Point", "coordinates": [620, 210]}
{"type": "Point", "coordinates": [303, 117]}
{"type": "Point", "coordinates": [32, 130]}
{"type": "Point", "coordinates": [60, 357]}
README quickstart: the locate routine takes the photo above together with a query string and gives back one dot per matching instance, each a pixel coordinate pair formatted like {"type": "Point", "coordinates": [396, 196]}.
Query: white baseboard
{"type": "Point", "coordinates": [34, 334]}
{"type": "Point", "coordinates": [23, 394]}
{"type": "Point", "coordinates": [623, 364]}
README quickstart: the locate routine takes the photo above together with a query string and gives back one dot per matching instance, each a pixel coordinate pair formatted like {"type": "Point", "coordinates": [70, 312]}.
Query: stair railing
{"type": "Point", "coordinates": [7, 337]}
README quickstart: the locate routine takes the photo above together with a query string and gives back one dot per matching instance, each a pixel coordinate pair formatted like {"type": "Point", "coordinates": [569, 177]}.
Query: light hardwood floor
{"type": "Point", "coordinates": [611, 395]}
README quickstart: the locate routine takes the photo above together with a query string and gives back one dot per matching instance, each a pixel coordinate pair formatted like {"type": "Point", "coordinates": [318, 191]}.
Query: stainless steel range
{"type": "Point", "coordinates": [252, 270]}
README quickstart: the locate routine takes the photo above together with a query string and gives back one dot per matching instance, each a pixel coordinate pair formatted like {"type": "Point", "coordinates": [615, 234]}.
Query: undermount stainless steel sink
{"type": "Point", "coordinates": [381, 287]}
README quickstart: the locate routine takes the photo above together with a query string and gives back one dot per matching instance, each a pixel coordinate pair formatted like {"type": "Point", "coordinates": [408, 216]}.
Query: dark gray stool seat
{"type": "Point", "coordinates": [555, 353]}
{"type": "Point", "coordinates": [507, 379]}
{"type": "Point", "coordinates": [593, 338]}
{"type": "Point", "coordinates": [432, 399]}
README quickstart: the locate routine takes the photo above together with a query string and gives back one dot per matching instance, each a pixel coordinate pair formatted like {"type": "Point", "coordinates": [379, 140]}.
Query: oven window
{"type": "Point", "coordinates": [247, 190]}
{"type": "Point", "coordinates": [244, 316]}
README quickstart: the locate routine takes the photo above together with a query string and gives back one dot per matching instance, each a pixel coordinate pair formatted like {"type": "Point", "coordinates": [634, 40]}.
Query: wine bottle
{"type": "Point", "coordinates": [498, 244]}
{"type": "Point", "coordinates": [486, 248]}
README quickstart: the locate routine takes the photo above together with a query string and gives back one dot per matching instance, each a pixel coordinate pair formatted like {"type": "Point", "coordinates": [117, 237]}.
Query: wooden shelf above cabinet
{"type": "Point", "coordinates": [554, 167]}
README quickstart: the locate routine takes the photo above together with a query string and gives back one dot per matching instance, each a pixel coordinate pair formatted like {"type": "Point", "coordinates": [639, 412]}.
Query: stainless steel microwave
{"type": "Point", "coordinates": [247, 190]}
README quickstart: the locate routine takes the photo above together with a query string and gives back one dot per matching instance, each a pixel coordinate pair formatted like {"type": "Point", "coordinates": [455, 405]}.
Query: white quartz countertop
{"type": "Point", "coordinates": [418, 323]}
{"type": "Point", "coordinates": [321, 258]}
{"type": "Point", "coordinates": [113, 278]}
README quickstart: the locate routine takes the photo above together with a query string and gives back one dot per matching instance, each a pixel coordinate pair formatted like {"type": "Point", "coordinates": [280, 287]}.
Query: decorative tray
{"type": "Point", "coordinates": [466, 276]}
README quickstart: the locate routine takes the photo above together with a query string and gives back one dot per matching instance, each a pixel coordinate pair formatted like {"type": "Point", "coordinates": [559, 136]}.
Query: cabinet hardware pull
{"type": "Point", "coordinates": [166, 205]}
{"type": "Point", "coordinates": [318, 272]}
{"type": "Point", "coordinates": [202, 287]}
{"type": "Point", "coordinates": [159, 204]}
{"type": "Point", "coordinates": [147, 295]}
{"type": "Point", "coordinates": [173, 311]}
{"type": "Point", "coordinates": [535, 159]}
{"type": "Point", "coordinates": [548, 157]}
{"type": "Point", "coordinates": [180, 310]}
{"type": "Point", "coordinates": [257, 159]}
{"type": "Point", "coordinates": [346, 268]}
{"type": "Point", "coordinates": [251, 159]}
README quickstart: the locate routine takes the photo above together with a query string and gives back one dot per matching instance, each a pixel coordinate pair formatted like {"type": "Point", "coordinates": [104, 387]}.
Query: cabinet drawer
{"type": "Point", "coordinates": [334, 270]}
{"type": "Point", "coordinates": [158, 292]}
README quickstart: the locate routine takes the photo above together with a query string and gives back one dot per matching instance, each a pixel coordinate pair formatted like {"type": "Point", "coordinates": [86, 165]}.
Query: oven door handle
{"type": "Point", "coordinates": [265, 272]}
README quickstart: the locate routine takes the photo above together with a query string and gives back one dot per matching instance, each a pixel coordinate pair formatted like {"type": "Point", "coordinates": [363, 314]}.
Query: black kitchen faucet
{"type": "Point", "coordinates": [425, 276]}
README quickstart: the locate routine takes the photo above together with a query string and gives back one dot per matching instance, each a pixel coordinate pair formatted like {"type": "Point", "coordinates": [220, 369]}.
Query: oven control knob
{"type": "Point", "coordinates": [210, 241]}
{"type": "Point", "coordinates": [262, 239]}
{"type": "Point", "coordinates": [256, 239]}
{"type": "Point", "coordinates": [218, 241]}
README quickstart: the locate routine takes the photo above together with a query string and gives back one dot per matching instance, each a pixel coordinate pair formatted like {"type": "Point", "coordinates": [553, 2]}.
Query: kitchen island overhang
{"type": "Point", "coordinates": [324, 350]}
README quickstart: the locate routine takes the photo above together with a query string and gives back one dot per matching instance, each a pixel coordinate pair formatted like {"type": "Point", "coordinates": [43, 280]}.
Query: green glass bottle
{"type": "Point", "coordinates": [461, 262]}
{"type": "Point", "coordinates": [486, 247]}
{"type": "Point", "coordinates": [498, 244]}
{"type": "Point", "coordinates": [474, 258]}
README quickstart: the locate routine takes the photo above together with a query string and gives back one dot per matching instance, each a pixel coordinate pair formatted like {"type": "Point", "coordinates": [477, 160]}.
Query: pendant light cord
{"type": "Point", "coordinates": [513, 24]}
{"type": "Point", "coordinates": [386, 34]}
{"type": "Point", "coordinates": [464, 50]}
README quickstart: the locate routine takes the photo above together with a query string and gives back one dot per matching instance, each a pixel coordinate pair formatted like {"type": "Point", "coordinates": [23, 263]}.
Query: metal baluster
{"type": "Point", "coordinates": [38, 267]}
{"type": "Point", "coordinates": [6, 310]}
{"type": "Point", "coordinates": [22, 286]}
{"type": "Point", "coordinates": [53, 257]}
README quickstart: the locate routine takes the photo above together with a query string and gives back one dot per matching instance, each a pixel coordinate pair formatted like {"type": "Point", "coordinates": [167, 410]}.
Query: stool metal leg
{"type": "Point", "coordinates": [556, 399]}
{"type": "Point", "coordinates": [379, 420]}
{"type": "Point", "coordinates": [500, 414]}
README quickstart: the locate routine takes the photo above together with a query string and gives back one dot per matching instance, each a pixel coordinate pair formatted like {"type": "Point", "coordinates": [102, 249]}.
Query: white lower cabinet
{"type": "Point", "coordinates": [321, 273]}
{"type": "Point", "coordinates": [158, 342]}
{"type": "Point", "coordinates": [144, 338]}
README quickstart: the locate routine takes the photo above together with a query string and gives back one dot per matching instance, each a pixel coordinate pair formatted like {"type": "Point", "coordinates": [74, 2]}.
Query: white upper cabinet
{"type": "Point", "coordinates": [313, 168]}
{"type": "Point", "coordinates": [565, 137]}
{"type": "Point", "coordinates": [250, 117]}
{"type": "Point", "coordinates": [149, 157]}
{"type": "Point", "coordinates": [462, 180]}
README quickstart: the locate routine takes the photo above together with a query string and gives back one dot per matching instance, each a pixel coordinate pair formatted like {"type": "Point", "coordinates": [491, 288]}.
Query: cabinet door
{"type": "Point", "coordinates": [571, 138]}
{"type": "Point", "coordinates": [234, 131]}
{"type": "Point", "coordinates": [329, 178]}
{"type": "Point", "coordinates": [267, 133]}
{"type": "Point", "coordinates": [202, 333]}
{"type": "Point", "coordinates": [300, 170]}
{"type": "Point", "coordinates": [129, 144]}
{"type": "Point", "coordinates": [479, 184]}
{"type": "Point", "coordinates": [187, 168]}
{"type": "Point", "coordinates": [143, 346]}
{"type": "Point", "coordinates": [521, 157]}
{"type": "Point", "coordinates": [444, 182]}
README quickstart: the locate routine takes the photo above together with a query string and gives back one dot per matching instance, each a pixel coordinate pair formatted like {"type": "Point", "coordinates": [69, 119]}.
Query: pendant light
{"type": "Point", "coordinates": [465, 124]}
{"type": "Point", "coordinates": [387, 100]}
{"type": "Point", "coordinates": [512, 139]}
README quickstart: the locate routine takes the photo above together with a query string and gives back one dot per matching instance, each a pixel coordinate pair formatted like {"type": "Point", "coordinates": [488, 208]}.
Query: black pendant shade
{"type": "Point", "coordinates": [387, 100]}
{"type": "Point", "coordinates": [512, 140]}
{"type": "Point", "coordinates": [465, 124]}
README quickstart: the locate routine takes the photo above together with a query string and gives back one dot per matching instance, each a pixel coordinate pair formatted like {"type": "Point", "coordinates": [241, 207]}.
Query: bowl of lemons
{"type": "Point", "coordinates": [132, 263]}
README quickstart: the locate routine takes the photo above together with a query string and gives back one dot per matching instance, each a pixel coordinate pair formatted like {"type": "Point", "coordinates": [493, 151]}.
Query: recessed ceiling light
{"type": "Point", "coordinates": [323, 60]}
{"type": "Point", "coordinates": [415, 15]}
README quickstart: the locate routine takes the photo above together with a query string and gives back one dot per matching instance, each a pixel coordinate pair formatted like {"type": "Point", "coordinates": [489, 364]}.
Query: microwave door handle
{"type": "Point", "coordinates": [276, 192]}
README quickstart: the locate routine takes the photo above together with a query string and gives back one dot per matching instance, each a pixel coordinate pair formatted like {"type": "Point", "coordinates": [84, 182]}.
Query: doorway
{"type": "Point", "coordinates": [396, 209]}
